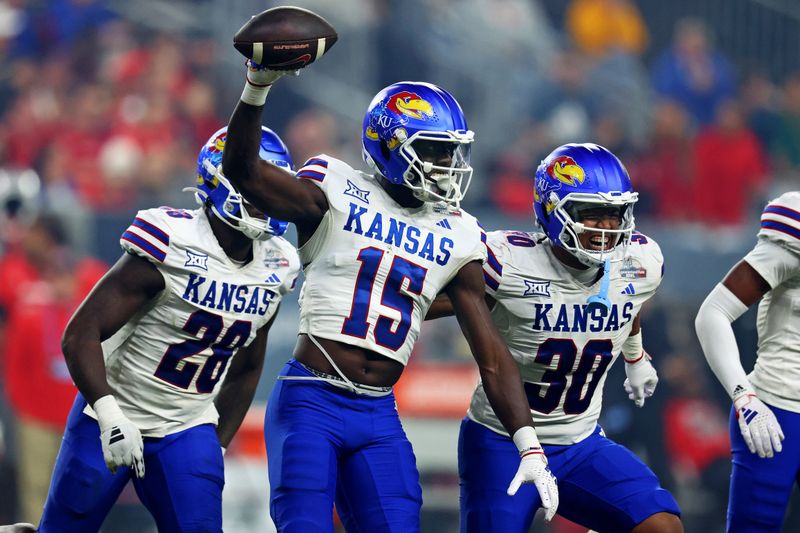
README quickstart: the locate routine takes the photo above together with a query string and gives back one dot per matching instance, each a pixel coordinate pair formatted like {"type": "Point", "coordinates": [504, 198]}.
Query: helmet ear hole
{"type": "Point", "coordinates": [385, 152]}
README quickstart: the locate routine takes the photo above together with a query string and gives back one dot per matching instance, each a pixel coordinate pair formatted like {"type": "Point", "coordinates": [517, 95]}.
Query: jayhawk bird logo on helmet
{"type": "Point", "coordinates": [566, 170]}
{"type": "Point", "coordinates": [410, 104]}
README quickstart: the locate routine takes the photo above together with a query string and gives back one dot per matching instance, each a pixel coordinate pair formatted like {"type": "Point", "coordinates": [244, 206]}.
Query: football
{"type": "Point", "coordinates": [285, 38]}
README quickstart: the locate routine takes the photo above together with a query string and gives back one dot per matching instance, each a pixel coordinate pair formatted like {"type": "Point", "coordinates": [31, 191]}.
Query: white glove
{"type": "Point", "coordinates": [641, 379]}
{"type": "Point", "coordinates": [262, 76]}
{"type": "Point", "coordinates": [533, 469]}
{"type": "Point", "coordinates": [759, 427]}
{"type": "Point", "coordinates": [120, 438]}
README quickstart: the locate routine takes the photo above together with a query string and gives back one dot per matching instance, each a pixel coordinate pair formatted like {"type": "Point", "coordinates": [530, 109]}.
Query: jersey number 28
{"type": "Point", "coordinates": [174, 369]}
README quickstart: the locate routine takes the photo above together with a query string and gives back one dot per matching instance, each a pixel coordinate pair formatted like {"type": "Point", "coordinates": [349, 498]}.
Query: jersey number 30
{"type": "Point", "coordinates": [393, 296]}
{"type": "Point", "coordinates": [174, 369]}
{"type": "Point", "coordinates": [594, 359]}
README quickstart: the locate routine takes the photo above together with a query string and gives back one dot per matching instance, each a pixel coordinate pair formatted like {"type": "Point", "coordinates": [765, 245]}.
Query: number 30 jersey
{"type": "Point", "coordinates": [563, 351]}
{"type": "Point", "coordinates": [166, 364]}
{"type": "Point", "coordinates": [372, 267]}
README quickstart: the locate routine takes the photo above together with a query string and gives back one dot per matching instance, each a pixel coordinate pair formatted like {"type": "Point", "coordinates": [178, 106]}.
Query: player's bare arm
{"type": "Point", "coordinates": [502, 382]}
{"type": "Point", "coordinates": [746, 283]}
{"type": "Point", "coordinates": [118, 296]}
{"type": "Point", "coordinates": [239, 387]}
{"type": "Point", "coordinates": [499, 372]}
{"type": "Point", "coordinates": [442, 306]}
{"type": "Point", "coordinates": [269, 188]}
{"type": "Point", "coordinates": [127, 288]}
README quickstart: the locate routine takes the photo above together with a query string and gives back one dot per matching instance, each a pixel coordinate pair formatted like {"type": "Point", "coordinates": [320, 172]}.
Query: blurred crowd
{"type": "Point", "coordinates": [109, 113]}
{"type": "Point", "coordinates": [104, 109]}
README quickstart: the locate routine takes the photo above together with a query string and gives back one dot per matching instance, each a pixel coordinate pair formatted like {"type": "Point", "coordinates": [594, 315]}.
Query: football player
{"type": "Point", "coordinates": [766, 402]}
{"type": "Point", "coordinates": [376, 249]}
{"type": "Point", "coordinates": [566, 301]}
{"type": "Point", "coordinates": [190, 300]}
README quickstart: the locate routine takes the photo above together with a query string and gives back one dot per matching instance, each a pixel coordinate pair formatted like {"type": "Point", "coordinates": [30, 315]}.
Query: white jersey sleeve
{"type": "Point", "coordinates": [563, 350]}
{"type": "Point", "coordinates": [780, 221]}
{"type": "Point", "coordinates": [146, 236]}
{"type": "Point", "coordinates": [497, 249]}
{"type": "Point", "coordinates": [373, 267]}
{"type": "Point", "coordinates": [166, 364]}
{"type": "Point", "coordinates": [773, 261]}
{"type": "Point", "coordinates": [776, 257]}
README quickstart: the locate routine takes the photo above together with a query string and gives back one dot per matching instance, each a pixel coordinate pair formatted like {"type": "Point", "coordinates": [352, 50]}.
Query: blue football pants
{"type": "Point", "coordinates": [326, 445]}
{"type": "Point", "coordinates": [182, 486]}
{"type": "Point", "coordinates": [601, 485]}
{"type": "Point", "coordinates": [760, 488]}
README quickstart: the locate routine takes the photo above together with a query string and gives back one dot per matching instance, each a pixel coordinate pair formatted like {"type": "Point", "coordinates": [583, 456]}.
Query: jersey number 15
{"type": "Point", "coordinates": [393, 296]}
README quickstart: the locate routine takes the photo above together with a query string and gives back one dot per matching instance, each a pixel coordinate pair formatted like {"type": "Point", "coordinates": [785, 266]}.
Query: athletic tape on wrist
{"type": "Point", "coordinates": [632, 349]}
{"type": "Point", "coordinates": [254, 94]}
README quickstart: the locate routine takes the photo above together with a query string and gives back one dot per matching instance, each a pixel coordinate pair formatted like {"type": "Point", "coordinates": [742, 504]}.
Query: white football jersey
{"type": "Point", "coordinates": [166, 364]}
{"type": "Point", "coordinates": [776, 375]}
{"type": "Point", "coordinates": [372, 268]}
{"type": "Point", "coordinates": [563, 351]}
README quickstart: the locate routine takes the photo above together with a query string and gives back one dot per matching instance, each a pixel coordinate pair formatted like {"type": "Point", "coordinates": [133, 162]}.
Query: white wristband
{"type": "Point", "coordinates": [525, 439]}
{"type": "Point", "coordinates": [632, 350]}
{"type": "Point", "coordinates": [254, 94]}
{"type": "Point", "coordinates": [108, 411]}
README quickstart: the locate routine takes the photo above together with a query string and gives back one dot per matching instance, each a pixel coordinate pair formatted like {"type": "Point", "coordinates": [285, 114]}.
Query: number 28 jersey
{"type": "Point", "coordinates": [166, 364]}
{"type": "Point", "coordinates": [563, 350]}
{"type": "Point", "coordinates": [372, 267]}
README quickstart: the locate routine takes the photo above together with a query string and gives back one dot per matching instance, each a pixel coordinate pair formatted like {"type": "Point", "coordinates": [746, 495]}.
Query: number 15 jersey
{"type": "Point", "coordinates": [372, 267]}
{"type": "Point", "coordinates": [563, 350]}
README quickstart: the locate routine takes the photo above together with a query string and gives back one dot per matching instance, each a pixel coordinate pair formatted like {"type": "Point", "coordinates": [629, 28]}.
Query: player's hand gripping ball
{"type": "Point", "coordinates": [285, 38]}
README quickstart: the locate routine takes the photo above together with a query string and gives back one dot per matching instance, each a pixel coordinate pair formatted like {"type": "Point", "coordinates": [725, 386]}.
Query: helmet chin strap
{"type": "Point", "coordinates": [600, 300]}
{"type": "Point", "coordinates": [254, 234]}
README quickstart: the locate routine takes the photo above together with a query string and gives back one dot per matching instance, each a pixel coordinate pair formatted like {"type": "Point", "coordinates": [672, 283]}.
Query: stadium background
{"type": "Point", "coordinates": [105, 104]}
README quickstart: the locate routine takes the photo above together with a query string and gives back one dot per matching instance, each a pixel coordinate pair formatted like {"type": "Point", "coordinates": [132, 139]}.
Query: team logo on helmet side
{"type": "Point", "coordinates": [566, 170]}
{"type": "Point", "coordinates": [542, 192]}
{"type": "Point", "coordinates": [372, 134]}
{"type": "Point", "coordinates": [388, 126]}
{"type": "Point", "coordinates": [410, 104]}
{"type": "Point", "coordinates": [218, 144]}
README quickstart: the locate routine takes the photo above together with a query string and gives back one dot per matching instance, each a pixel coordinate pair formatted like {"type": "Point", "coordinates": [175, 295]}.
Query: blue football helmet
{"type": "Point", "coordinates": [415, 134]}
{"type": "Point", "coordinates": [214, 190]}
{"type": "Point", "coordinates": [579, 177]}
